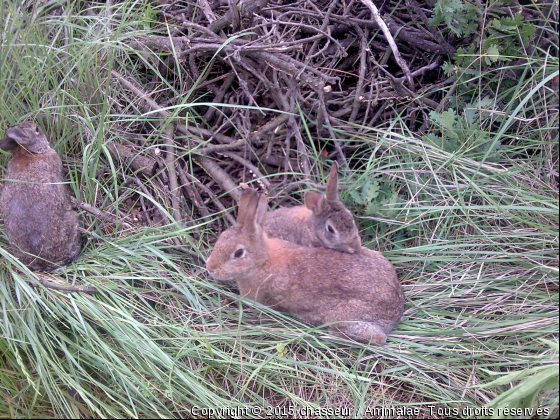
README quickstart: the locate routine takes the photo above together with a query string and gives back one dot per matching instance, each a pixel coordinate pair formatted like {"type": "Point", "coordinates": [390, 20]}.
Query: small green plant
{"type": "Point", "coordinates": [462, 133]}
{"type": "Point", "coordinates": [464, 17]}
{"type": "Point", "coordinates": [378, 202]}
{"type": "Point", "coordinates": [461, 17]}
{"type": "Point", "coordinates": [488, 39]}
{"type": "Point", "coordinates": [372, 195]}
{"type": "Point", "coordinates": [281, 350]}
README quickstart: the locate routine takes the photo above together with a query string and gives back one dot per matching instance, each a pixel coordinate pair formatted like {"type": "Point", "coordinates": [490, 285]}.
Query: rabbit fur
{"type": "Point", "coordinates": [35, 202]}
{"type": "Point", "coordinates": [322, 222]}
{"type": "Point", "coordinates": [358, 293]}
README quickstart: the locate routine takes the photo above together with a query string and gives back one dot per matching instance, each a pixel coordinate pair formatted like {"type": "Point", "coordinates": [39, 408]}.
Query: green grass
{"type": "Point", "coordinates": [473, 234]}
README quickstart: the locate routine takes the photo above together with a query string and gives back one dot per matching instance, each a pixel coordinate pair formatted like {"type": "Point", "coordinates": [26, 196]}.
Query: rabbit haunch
{"type": "Point", "coordinates": [359, 293]}
{"type": "Point", "coordinates": [323, 221]}
{"type": "Point", "coordinates": [35, 201]}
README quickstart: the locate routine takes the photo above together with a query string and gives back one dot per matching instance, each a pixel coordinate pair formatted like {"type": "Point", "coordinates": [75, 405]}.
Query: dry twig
{"type": "Point", "coordinates": [377, 17]}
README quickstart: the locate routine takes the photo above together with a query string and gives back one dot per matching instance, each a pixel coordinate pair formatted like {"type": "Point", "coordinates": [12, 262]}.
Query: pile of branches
{"type": "Point", "coordinates": [262, 86]}
{"type": "Point", "coordinates": [339, 64]}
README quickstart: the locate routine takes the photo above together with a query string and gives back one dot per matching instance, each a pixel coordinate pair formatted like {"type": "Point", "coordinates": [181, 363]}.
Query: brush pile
{"type": "Point", "coordinates": [240, 90]}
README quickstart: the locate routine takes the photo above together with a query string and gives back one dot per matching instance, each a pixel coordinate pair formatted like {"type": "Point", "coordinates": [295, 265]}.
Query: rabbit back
{"type": "Point", "coordinates": [292, 224]}
{"type": "Point", "coordinates": [321, 285]}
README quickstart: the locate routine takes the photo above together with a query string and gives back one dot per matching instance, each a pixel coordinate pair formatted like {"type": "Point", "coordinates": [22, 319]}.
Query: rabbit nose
{"type": "Point", "coordinates": [356, 245]}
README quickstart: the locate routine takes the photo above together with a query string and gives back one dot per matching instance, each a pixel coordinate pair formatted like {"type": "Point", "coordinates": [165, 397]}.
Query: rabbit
{"type": "Point", "coordinates": [35, 202]}
{"type": "Point", "coordinates": [322, 222]}
{"type": "Point", "coordinates": [359, 293]}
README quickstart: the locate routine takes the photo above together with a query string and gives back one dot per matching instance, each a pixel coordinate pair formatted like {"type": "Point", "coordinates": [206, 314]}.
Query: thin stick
{"type": "Point", "coordinates": [220, 176]}
{"type": "Point", "coordinates": [168, 137]}
{"type": "Point", "coordinates": [100, 214]}
{"type": "Point", "coordinates": [400, 61]}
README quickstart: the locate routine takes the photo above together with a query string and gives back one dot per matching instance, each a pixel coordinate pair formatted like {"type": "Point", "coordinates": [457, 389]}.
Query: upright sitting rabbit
{"type": "Point", "coordinates": [322, 222]}
{"type": "Point", "coordinates": [35, 202]}
{"type": "Point", "coordinates": [359, 293]}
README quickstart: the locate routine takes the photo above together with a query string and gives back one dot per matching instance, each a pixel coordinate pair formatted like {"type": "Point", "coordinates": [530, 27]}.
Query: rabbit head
{"type": "Point", "coordinates": [28, 135]}
{"type": "Point", "coordinates": [331, 221]}
{"type": "Point", "coordinates": [240, 252]}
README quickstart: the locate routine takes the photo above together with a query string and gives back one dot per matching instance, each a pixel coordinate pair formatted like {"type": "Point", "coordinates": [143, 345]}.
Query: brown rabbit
{"type": "Point", "coordinates": [35, 202]}
{"type": "Point", "coordinates": [359, 293]}
{"type": "Point", "coordinates": [322, 221]}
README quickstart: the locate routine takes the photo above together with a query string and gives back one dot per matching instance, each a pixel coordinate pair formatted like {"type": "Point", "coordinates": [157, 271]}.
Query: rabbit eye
{"type": "Point", "coordinates": [239, 253]}
{"type": "Point", "coordinates": [330, 229]}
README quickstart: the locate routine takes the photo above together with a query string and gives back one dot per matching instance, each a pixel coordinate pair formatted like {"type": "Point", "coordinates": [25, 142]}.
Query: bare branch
{"type": "Point", "coordinates": [400, 61]}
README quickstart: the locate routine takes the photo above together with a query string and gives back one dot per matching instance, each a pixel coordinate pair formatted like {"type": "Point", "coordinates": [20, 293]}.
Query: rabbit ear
{"type": "Point", "coordinates": [7, 144]}
{"type": "Point", "coordinates": [248, 196]}
{"type": "Point", "coordinates": [262, 209]}
{"type": "Point", "coordinates": [252, 211]}
{"type": "Point", "coordinates": [314, 201]}
{"type": "Point", "coordinates": [332, 183]}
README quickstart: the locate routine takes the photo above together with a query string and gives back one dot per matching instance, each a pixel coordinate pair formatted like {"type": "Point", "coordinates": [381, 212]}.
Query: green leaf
{"type": "Point", "coordinates": [448, 119]}
{"type": "Point", "coordinates": [372, 208]}
{"type": "Point", "coordinates": [471, 114]}
{"type": "Point", "coordinates": [355, 194]}
{"type": "Point", "coordinates": [281, 349]}
{"type": "Point", "coordinates": [435, 117]}
{"type": "Point", "coordinates": [371, 191]}
{"type": "Point", "coordinates": [492, 55]}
